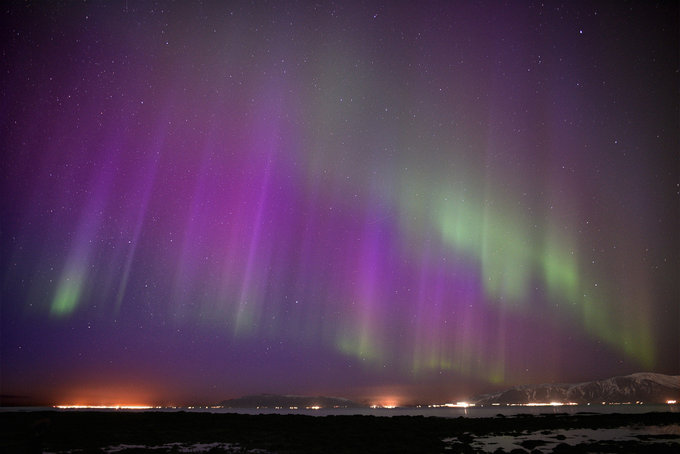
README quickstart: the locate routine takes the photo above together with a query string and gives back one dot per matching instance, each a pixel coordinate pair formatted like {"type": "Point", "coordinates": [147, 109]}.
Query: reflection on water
{"type": "Point", "coordinates": [449, 412]}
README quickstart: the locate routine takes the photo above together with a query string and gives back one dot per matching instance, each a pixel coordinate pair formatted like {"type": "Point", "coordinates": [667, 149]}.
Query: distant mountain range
{"type": "Point", "coordinates": [286, 401]}
{"type": "Point", "coordinates": [640, 387]}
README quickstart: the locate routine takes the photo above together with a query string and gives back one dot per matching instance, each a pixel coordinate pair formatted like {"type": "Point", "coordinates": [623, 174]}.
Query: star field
{"type": "Point", "coordinates": [367, 199]}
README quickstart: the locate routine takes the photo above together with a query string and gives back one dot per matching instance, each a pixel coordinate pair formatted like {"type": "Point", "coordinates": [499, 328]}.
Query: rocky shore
{"type": "Point", "coordinates": [159, 432]}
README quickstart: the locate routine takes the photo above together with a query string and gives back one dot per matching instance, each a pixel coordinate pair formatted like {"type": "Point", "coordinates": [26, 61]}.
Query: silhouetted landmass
{"type": "Point", "coordinates": [13, 400]}
{"type": "Point", "coordinates": [641, 387]}
{"type": "Point", "coordinates": [288, 401]}
{"type": "Point", "coordinates": [56, 431]}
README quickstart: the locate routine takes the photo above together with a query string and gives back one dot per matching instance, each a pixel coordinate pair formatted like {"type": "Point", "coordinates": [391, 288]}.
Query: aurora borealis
{"type": "Point", "coordinates": [370, 199]}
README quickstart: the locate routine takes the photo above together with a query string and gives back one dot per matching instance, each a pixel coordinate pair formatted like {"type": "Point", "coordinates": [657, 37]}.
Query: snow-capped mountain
{"type": "Point", "coordinates": [640, 387]}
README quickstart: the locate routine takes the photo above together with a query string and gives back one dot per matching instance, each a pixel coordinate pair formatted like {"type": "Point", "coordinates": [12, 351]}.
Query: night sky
{"type": "Point", "coordinates": [389, 201]}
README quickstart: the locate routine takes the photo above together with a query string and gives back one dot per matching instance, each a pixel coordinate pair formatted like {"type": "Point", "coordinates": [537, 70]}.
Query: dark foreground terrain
{"type": "Point", "coordinates": [158, 432]}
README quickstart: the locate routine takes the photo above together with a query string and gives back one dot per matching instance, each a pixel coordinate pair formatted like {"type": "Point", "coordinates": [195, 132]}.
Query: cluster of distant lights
{"type": "Point", "coordinates": [105, 407]}
{"type": "Point", "coordinates": [150, 407]}
{"type": "Point", "coordinates": [540, 404]}
{"type": "Point", "coordinates": [318, 407]}
{"type": "Point", "coordinates": [452, 405]}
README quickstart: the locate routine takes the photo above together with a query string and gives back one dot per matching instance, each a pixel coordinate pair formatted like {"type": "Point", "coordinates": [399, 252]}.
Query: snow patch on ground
{"type": "Point", "coordinates": [546, 441]}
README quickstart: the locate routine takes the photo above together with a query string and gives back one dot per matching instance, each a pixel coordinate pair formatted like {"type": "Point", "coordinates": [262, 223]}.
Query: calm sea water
{"type": "Point", "coordinates": [445, 412]}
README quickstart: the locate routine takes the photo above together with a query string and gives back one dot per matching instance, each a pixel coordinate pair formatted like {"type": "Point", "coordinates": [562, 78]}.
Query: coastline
{"type": "Point", "coordinates": [142, 431]}
{"type": "Point", "coordinates": [471, 411]}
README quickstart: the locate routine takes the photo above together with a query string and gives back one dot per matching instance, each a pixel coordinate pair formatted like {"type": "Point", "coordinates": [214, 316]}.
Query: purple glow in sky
{"type": "Point", "coordinates": [208, 199]}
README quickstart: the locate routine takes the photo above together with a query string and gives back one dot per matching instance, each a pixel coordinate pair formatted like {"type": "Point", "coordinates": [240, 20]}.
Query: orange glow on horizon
{"type": "Point", "coordinates": [101, 407]}
{"type": "Point", "coordinates": [116, 396]}
{"type": "Point", "coordinates": [386, 402]}
{"type": "Point", "coordinates": [388, 396]}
